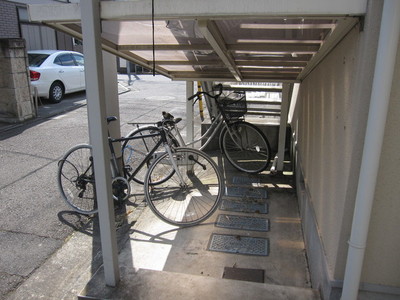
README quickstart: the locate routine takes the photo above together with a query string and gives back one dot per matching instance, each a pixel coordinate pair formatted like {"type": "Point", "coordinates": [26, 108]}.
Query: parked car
{"type": "Point", "coordinates": [55, 73]}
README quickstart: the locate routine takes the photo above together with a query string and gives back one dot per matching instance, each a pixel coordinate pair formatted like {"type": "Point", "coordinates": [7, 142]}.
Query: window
{"type": "Point", "coordinates": [79, 60]}
{"type": "Point", "coordinates": [65, 60]}
{"type": "Point", "coordinates": [77, 42]}
{"type": "Point", "coordinates": [35, 60]}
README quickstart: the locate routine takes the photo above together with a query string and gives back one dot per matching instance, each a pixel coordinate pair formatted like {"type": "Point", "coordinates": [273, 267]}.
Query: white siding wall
{"type": "Point", "coordinates": [326, 140]}
{"type": "Point", "coordinates": [382, 264]}
{"type": "Point", "coordinates": [38, 37]}
{"type": "Point", "coordinates": [329, 123]}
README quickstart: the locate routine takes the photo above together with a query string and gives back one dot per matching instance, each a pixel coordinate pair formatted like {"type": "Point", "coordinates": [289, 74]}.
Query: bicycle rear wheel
{"type": "Point", "coordinates": [188, 201]}
{"type": "Point", "coordinates": [75, 178]}
{"type": "Point", "coordinates": [135, 151]}
{"type": "Point", "coordinates": [246, 147]}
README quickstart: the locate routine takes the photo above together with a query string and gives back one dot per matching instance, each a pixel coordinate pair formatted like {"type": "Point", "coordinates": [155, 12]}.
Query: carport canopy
{"type": "Point", "coordinates": [219, 40]}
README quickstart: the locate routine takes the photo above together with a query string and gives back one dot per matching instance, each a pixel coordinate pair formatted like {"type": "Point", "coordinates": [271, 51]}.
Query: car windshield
{"type": "Point", "coordinates": [36, 59]}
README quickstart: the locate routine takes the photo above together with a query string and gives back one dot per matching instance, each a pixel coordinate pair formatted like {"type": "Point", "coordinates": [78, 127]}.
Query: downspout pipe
{"type": "Point", "coordinates": [380, 96]}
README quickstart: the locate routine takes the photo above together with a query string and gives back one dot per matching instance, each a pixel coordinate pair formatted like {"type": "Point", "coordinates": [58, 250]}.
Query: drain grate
{"type": "Point", "coordinates": [254, 275]}
{"type": "Point", "coordinates": [242, 223]}
{"type": "Point", "coordinates": [243, 192]}
{"type": "Point", "coordinates": [237, 244]}
{"type": "Point", "coordinates": [245, 180]}
{"type": "Point", "coordinates": [244, 206]}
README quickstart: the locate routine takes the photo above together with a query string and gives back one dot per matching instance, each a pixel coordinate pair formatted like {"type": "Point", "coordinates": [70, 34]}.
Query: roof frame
{"type": "Point", "coordinates": [214, 37]}
{"type": "Point", "coordinates": [270, 41]}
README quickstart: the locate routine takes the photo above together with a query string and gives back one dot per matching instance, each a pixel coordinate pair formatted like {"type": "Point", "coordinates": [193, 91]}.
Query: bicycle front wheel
{"type": "Point", "coordinates": [192, 193]}
{"type": "Point", "coordinates": [76, 179]}
{"type": "Point", "coordinates": [246, 147]}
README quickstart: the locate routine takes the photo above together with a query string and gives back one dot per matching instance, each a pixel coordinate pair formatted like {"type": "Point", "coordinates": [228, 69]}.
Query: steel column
{"type": "Point", "coordinates": [96, 102]}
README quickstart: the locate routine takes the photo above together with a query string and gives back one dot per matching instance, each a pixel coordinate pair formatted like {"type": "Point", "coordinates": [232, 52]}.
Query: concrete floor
{"type": "Point", "coordinates": [160, 261]}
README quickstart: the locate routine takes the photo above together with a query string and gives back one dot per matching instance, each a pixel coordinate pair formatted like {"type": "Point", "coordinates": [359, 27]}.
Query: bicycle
{"type": "Point", "coordinates": [182, 186]}
{"type": "Point", "coordinates": [244, 145]}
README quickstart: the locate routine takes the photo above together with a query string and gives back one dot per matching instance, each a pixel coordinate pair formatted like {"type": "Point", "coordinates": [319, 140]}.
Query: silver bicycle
{"type": "Point", "coordinates": [243, 144]}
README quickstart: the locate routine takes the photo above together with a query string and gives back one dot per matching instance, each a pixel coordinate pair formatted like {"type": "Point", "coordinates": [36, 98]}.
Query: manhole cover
{"type": "Point", "coordinates": [242, 223]}
{"type": "Point", "coordinates": [244, 206]}
{"type": "Point", "coordinates": [245, 180]}
{"type": "Point", "coordinates": [237, 244]}
{"type": "Point", "coordinates": [254, 275]}
{"type": "Point", "coordinates": [243, 192]}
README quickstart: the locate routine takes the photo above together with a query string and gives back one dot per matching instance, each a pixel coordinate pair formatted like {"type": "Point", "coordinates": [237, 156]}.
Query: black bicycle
{"type": "Point", "coordinates": [182, 186]}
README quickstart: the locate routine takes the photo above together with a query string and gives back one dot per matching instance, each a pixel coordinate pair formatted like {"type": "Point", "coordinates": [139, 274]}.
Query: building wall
{"type": "Point", "coordinates": [329, 125]}
{"type": "Point", "coordinates": [8, 20]}
{"type": "Point", "coordinates": [382, 266]}
{"type": "Point", "coordinates": [327, 134]}
{"type": "Point", "coordinates": [39, 37]}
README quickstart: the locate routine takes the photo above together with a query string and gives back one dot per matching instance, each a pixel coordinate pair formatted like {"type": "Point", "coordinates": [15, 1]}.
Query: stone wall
{"type": "Point", "coordinates": [16, 103]}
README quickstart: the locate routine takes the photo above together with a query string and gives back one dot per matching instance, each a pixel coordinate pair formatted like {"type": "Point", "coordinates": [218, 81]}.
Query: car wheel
{"type": "Point", "coordinates": [56, 92]}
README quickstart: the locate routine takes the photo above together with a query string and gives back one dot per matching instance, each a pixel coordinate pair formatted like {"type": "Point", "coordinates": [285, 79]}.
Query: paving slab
{"type": "Point", "coordinates": [161, 260]}
{"type": "Point", "coordinates": [154, 285]}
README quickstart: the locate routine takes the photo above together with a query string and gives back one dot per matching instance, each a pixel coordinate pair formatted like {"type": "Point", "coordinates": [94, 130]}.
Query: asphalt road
{"type": "Point", "coordinates": [34, 220]}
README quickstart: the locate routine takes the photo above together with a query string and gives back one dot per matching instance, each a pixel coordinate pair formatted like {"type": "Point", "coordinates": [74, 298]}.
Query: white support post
{"type": "Point", "coordinates": [283, 125]}
{"type": "Point", "coordinates": [189, 112]}
{"type": "Point", "coordinates": [95, 92]}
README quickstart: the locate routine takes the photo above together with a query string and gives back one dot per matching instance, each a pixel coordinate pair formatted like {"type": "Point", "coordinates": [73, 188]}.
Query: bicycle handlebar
{"type": "Point", "coordinates": [219, 86]}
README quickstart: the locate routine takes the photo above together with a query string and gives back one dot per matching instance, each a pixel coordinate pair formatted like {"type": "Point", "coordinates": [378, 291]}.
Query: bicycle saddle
{"type": "Point", "coordinates": [111, 118]}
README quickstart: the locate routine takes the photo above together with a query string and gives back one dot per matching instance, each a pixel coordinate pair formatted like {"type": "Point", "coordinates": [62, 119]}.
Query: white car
{"type": "Point", "coordinates": [55, 73]}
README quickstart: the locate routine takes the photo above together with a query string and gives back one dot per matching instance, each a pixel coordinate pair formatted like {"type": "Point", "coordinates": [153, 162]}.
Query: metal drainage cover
{"type": "Point", "coordinates": [245, 180]}
{"type": "Point", "coordinates": [244, 206]}
{"type": "Point", "coordinates": [237, 244]}
{"type": "Point", "coordinates": [243, 192]}
{"type": "Point", "coordinates": [254, 275]}
{"type": "Point", "coordinates": [242, 223]}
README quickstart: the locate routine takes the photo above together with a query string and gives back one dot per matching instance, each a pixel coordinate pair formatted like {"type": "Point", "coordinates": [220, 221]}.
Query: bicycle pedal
{"type": "Point", "coordinates": [128, 168]}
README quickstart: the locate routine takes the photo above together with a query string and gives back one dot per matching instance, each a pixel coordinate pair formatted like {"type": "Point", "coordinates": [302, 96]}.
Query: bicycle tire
{"type": "Point", "coordinates": [192, 203]}
{"type": "Point", "coordinates": [251, 152]}
{"type": "Point", "coordinates": [76, 180]}
{"type": "Point", "coordinates": [134, 151]}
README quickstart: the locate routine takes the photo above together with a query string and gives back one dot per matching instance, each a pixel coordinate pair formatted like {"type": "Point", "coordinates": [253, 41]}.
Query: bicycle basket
{"type": "Point", "coordinates": [234, 105]}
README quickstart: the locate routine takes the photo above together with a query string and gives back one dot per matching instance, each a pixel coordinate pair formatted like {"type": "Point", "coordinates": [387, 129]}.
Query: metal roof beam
{"type": "Point", "coordinates": [277, 47]}
{"type": "Point", "coordinates": [189, 62]}
{"type": "Point", "coordinates": [164, 47]}
{"type": "Point", "coordinates": [262, 63]}
{"type": "Point", "coordinates": [216, 44]}
{"type": "Point", "coordinates": [214, 37]}
{"type": "Point", "coordinates": [343, 26]}
{"type": "Point", "coordinates": [193, 9]}
{"type": "Point", "coordinates": [225, 76]}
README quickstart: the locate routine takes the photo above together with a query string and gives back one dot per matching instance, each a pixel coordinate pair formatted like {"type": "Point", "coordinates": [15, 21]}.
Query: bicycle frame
{"type": "Point", "coordinates": [162, 141]}
{"type": "Point", "coordinates": [219, 122]}
{"type": "Point", "coordinates": [210, 133]}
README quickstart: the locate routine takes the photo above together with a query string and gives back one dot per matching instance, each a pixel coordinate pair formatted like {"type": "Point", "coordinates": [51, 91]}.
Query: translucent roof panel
{"type": "Point", "coordinates": [215, 45]}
